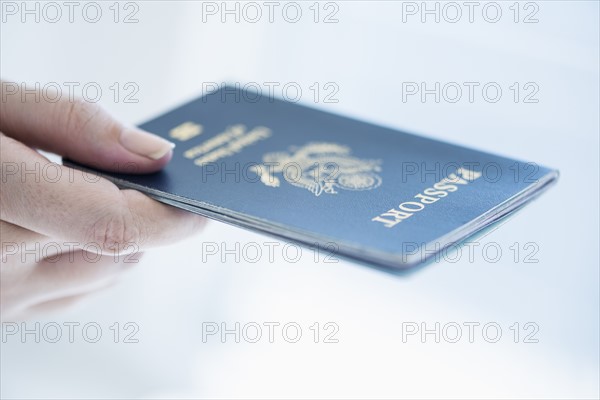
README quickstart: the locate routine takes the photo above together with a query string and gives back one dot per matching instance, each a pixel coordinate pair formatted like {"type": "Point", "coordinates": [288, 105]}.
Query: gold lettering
{"type": "Point", "coordinates": [186, 131]}
{"type": "Point", "coordinates": [427, 199]}
{"type": "Point", "coordinates": [396, 214]}
{"type": "Point", "coordinates": [404, 206]}
{"type": "Point", "coordinates": [453, 178]}
{"type": "Point", "coordinates": [468, 174]}
{"type": "Point", "coordinates": [432, 194]}
{"type": "Point", "coordinates": [443, 186]}
{"type": "Point", "coordinates": [229, 134]}
{"type": "Point", "coordinates": [232, 141]}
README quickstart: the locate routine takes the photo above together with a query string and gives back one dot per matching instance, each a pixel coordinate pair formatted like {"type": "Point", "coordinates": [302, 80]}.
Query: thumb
{"type": "Point", "coordinates": [81, 131]}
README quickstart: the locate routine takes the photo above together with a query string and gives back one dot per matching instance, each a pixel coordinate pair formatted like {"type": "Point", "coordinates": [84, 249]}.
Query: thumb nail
{"type": "Point", "coordinates": [145, 144]}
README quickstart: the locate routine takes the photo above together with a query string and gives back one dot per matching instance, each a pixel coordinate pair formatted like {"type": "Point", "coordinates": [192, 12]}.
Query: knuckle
{"type": "Point", "coordinates": [115, 232]}
{"type": "Point", "coordinates": [79, 115]}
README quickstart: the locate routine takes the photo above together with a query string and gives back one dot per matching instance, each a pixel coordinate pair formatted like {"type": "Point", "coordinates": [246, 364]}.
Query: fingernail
{"type": "Point", "coordinates": [145, 144]}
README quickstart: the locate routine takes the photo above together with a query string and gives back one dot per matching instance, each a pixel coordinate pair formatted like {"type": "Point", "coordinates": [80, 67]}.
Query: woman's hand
{"type": "Point", "coordinates": [62, 233]}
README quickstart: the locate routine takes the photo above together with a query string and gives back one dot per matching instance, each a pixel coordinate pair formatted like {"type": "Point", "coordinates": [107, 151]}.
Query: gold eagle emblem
{"type": "Point", "coordinates": [319, 167]}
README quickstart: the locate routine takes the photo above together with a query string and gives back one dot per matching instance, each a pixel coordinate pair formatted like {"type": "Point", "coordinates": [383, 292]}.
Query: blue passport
{"type": "Point", "coordinates": [369, 193]}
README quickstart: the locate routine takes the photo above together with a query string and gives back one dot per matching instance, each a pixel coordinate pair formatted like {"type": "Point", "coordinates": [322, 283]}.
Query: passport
{"type": "Point", "coordinates": [368, 193]}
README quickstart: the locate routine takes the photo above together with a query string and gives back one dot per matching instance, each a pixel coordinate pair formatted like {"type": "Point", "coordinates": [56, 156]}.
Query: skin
{"type": "Point", "coordinates": [46, 222]}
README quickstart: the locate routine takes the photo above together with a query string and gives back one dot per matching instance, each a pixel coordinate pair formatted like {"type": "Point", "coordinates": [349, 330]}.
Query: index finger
{"type": "Point", "coordinates": [71, 206]}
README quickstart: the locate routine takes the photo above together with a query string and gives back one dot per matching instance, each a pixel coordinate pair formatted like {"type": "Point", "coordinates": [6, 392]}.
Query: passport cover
{"type": "Point", "coordinates": [373, 194]}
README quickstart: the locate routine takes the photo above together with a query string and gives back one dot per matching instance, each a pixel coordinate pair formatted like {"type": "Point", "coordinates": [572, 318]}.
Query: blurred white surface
{"type": "Point", "coordinates": [171, 52]}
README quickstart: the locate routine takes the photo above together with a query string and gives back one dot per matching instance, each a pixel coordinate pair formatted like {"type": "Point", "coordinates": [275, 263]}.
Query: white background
{"type": "Point", "coordinates": [368, 54]}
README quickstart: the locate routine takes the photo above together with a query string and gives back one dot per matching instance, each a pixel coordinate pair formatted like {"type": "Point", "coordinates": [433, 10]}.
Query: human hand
{"type": "Point", "coordinates": [62, 233]}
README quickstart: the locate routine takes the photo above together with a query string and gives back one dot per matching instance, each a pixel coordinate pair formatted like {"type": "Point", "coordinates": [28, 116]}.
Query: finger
{"type": "Point", "coordinates": [10, 233]}
{"type": "Point", "coordinates": [79, 130]}
{"type": "Point", "coordinates": [71, 207]}
{"type": "Point", "coordinates": [20, 248]}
